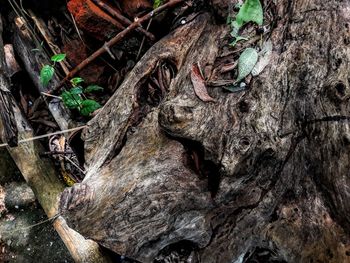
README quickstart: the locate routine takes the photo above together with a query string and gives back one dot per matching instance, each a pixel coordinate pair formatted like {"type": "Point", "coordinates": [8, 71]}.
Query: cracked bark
{"type": "Point", "coordinates": [279, 152]}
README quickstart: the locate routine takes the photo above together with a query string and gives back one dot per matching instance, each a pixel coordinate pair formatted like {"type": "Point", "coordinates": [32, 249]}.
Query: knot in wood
{"type": "Point", "coordinates": [338, 91]}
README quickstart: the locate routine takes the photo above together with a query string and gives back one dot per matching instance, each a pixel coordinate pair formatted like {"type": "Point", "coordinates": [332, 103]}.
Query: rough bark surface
{"type": "Point", "coordinates": [273, 177]}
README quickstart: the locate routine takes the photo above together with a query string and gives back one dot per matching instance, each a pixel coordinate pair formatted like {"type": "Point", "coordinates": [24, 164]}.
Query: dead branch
{"type": "Point", "coordinates": [122, 18]}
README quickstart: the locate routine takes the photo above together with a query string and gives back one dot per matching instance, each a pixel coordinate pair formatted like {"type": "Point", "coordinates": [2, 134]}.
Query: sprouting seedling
{"type": "Point", "coordinates": [47, 72]}
{"type": "Point", "coordinates": [250, 11]}
{"type": "Point", "coordinates": [75, 98]}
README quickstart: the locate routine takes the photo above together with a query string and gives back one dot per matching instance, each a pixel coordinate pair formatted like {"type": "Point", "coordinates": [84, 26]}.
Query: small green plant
{"type": "Point", "coordinates": [250, 11]}
{"type": "Point", "coordinates": [76, 97]}
{"type": "Point", "coordinates": [47, 72]}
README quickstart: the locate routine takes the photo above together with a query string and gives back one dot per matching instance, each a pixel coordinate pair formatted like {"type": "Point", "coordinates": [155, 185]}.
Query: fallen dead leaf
{"type": "Point", "coordinates": [199, 85]}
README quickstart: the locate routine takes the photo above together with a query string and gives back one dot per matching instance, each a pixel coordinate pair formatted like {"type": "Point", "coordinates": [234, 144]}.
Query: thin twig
{"type": "Point", "coordinates": [116, 39]}
{"type": "Point", "coordinates": [49, 95]}
{"type": "Point", "coordinates": [57, 153]}
{"type": "Point", "coordinates": [75, 165]}
{"type": "Point", "coordinates": [143, 40]}
{"type": "Point", "coordinates": [21, 13]}
{"type": "Point", "coordinates": [45, 135]}
{"type": "Point", "coordinates": [31, 226]}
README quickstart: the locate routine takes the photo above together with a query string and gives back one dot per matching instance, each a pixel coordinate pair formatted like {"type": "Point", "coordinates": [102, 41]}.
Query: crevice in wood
{"type": "Point", "coordinates": [151, 91]}
{"type": "Point", "coordinates": [182, 251]}
{"type": "Point", "coordinates": [195, 160]}
{"type": "Point", "coordinates": [263, 254]}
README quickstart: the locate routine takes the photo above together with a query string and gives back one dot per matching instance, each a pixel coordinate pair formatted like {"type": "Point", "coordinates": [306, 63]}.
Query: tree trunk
{"type": "Point", "coordinates": [258, 175]}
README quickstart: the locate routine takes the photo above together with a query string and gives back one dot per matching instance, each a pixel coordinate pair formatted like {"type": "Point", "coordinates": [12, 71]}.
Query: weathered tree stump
{"type": "Point", "coordinates": [259, 174]}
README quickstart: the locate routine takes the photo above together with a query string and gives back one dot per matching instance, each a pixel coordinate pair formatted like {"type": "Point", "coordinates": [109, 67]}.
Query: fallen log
{"type": "Point", "coordinates": [42, 177]}
{"type": "Point", "coordinates": [259, 175]}
{"type": "Point", "coordinates": [176, 196]}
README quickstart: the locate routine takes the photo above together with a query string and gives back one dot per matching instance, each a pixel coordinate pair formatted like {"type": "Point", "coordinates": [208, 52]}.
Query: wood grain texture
{"type": "Point", "coordinates": [279, 151]}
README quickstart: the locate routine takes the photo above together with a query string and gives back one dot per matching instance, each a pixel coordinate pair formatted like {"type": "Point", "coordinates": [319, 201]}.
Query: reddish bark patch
{"type": "Point", "coordinates": [91, 19]}
{"type": "Point", "coordinates": [76, 52]}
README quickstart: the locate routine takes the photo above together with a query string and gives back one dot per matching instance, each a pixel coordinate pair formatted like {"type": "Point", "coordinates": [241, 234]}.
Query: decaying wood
{"type": "Point", "coordinates": [275, 158]}
{"type": "Point", "coordinates": [45, 33]}
{"type": "Point", "coordinates": [9, 128]}
{"type": "Point", "coordinates": [12, 66]}
{"type": "Point", "coordinates": [168, 202]}
{"type": "Point", "coordinates": [105, 136]}
{"type": "Point", "coordinates": [33, 61]}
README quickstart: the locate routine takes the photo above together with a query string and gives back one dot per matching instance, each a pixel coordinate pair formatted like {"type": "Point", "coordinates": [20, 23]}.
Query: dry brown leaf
{"type": "Point", "coordinates": [199, 85]}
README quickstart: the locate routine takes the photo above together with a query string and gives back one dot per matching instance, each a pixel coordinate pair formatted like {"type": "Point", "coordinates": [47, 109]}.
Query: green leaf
{"type": "Point", "coordinates": [157, 3]}
{"type": "Point", "coordinates": [76, 90]}
{"type": "Point", "coordinates": [46, 74]}
{"type": "Point", "coordinates": [89, 106]}
{"type": "Point", "coordinates": [246, 63]}
{"type": "Point", "coordinates": [71, 102]}
{"type": "Point", "coordinates": [76, 81]}
{"type": "Point", "coordinates": [93, 88]}
{"type": "Point", "coordinates": [251, 11]}
{"type": "Point", "coordinates": [58, 57]}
